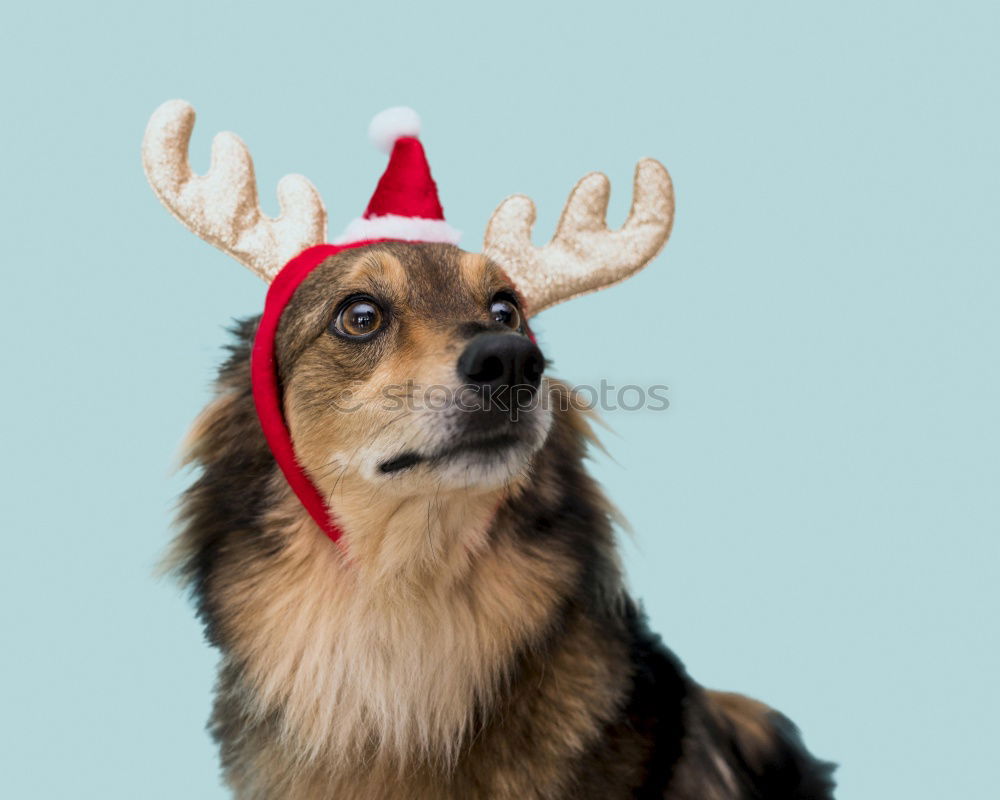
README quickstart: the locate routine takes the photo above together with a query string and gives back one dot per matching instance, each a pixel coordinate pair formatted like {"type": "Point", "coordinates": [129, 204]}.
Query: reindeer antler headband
{"type": "Point", "coordinates": [223, 209]}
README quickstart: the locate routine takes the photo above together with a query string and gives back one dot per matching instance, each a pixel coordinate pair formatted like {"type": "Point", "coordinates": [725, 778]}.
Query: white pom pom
{"type": "Point", "coordinates": [393, 123]}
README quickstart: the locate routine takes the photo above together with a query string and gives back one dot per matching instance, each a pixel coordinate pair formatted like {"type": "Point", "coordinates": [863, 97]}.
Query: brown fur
{"type": "Point", "coordinates": [749, 719]}
{"type": "Point", "coordinates": [472, 638]}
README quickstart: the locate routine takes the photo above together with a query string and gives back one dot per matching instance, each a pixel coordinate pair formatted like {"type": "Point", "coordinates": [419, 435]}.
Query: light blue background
{"type": "Point", "coordinates": [817, 514]}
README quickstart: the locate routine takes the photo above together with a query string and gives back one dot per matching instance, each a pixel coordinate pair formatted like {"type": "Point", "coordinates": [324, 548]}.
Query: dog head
{"type": "Point", "coordinates": [393, 363]}
{"type": "Point", "coordinates": [410, 367]}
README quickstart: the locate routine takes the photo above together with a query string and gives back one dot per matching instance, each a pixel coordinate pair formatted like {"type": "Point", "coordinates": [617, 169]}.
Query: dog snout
{"type": "Point", "coordinates": [499, 361]}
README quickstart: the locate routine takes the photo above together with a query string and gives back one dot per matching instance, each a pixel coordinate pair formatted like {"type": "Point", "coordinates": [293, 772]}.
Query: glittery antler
{"type": "Point", "coordinates": [222, 206]}
{"type": "Point", "coordinates": [584, 255]}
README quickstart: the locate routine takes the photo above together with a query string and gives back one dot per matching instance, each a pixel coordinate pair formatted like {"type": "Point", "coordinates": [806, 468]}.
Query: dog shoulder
{"type": "Point", "coordinates": [766, 749]}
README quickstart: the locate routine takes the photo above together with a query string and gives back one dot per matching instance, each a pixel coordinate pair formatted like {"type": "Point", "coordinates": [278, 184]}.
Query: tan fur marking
{"type": "Point", "coordinates": [381, 264]}
{"type": "Point", "coordinates": [478, 271]}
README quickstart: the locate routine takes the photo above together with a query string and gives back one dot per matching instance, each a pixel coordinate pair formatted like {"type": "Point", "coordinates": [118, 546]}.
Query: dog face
{"type": "Point", "coordinates": [408, 368]}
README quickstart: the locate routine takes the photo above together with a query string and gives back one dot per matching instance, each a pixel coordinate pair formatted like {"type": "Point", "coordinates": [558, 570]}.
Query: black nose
{"type": "Point", "coordinates": [499, 360]}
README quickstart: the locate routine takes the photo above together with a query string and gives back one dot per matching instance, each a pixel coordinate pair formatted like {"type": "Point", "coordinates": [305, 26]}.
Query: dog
{"type": "Point", "coordinates": [469, 635]}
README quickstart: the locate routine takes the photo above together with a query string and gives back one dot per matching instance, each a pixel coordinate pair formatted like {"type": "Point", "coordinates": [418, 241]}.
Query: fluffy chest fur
{"type": "Point", "coordinates": [355, 663]}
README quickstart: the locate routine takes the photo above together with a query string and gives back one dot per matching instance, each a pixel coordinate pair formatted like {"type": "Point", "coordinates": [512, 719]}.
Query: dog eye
{"type": "Point", "coordinates": [505, 312]}
{"type": "Point", "coordinates": [359, 317]}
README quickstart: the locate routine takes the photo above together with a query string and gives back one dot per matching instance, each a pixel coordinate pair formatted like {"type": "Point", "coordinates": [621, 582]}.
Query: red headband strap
{"type": "Point", "coordinates": [266, 389]}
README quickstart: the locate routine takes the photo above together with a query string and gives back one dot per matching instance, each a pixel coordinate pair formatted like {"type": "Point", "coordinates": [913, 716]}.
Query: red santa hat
{"type": "Point", "coordinates": [405, 205]}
